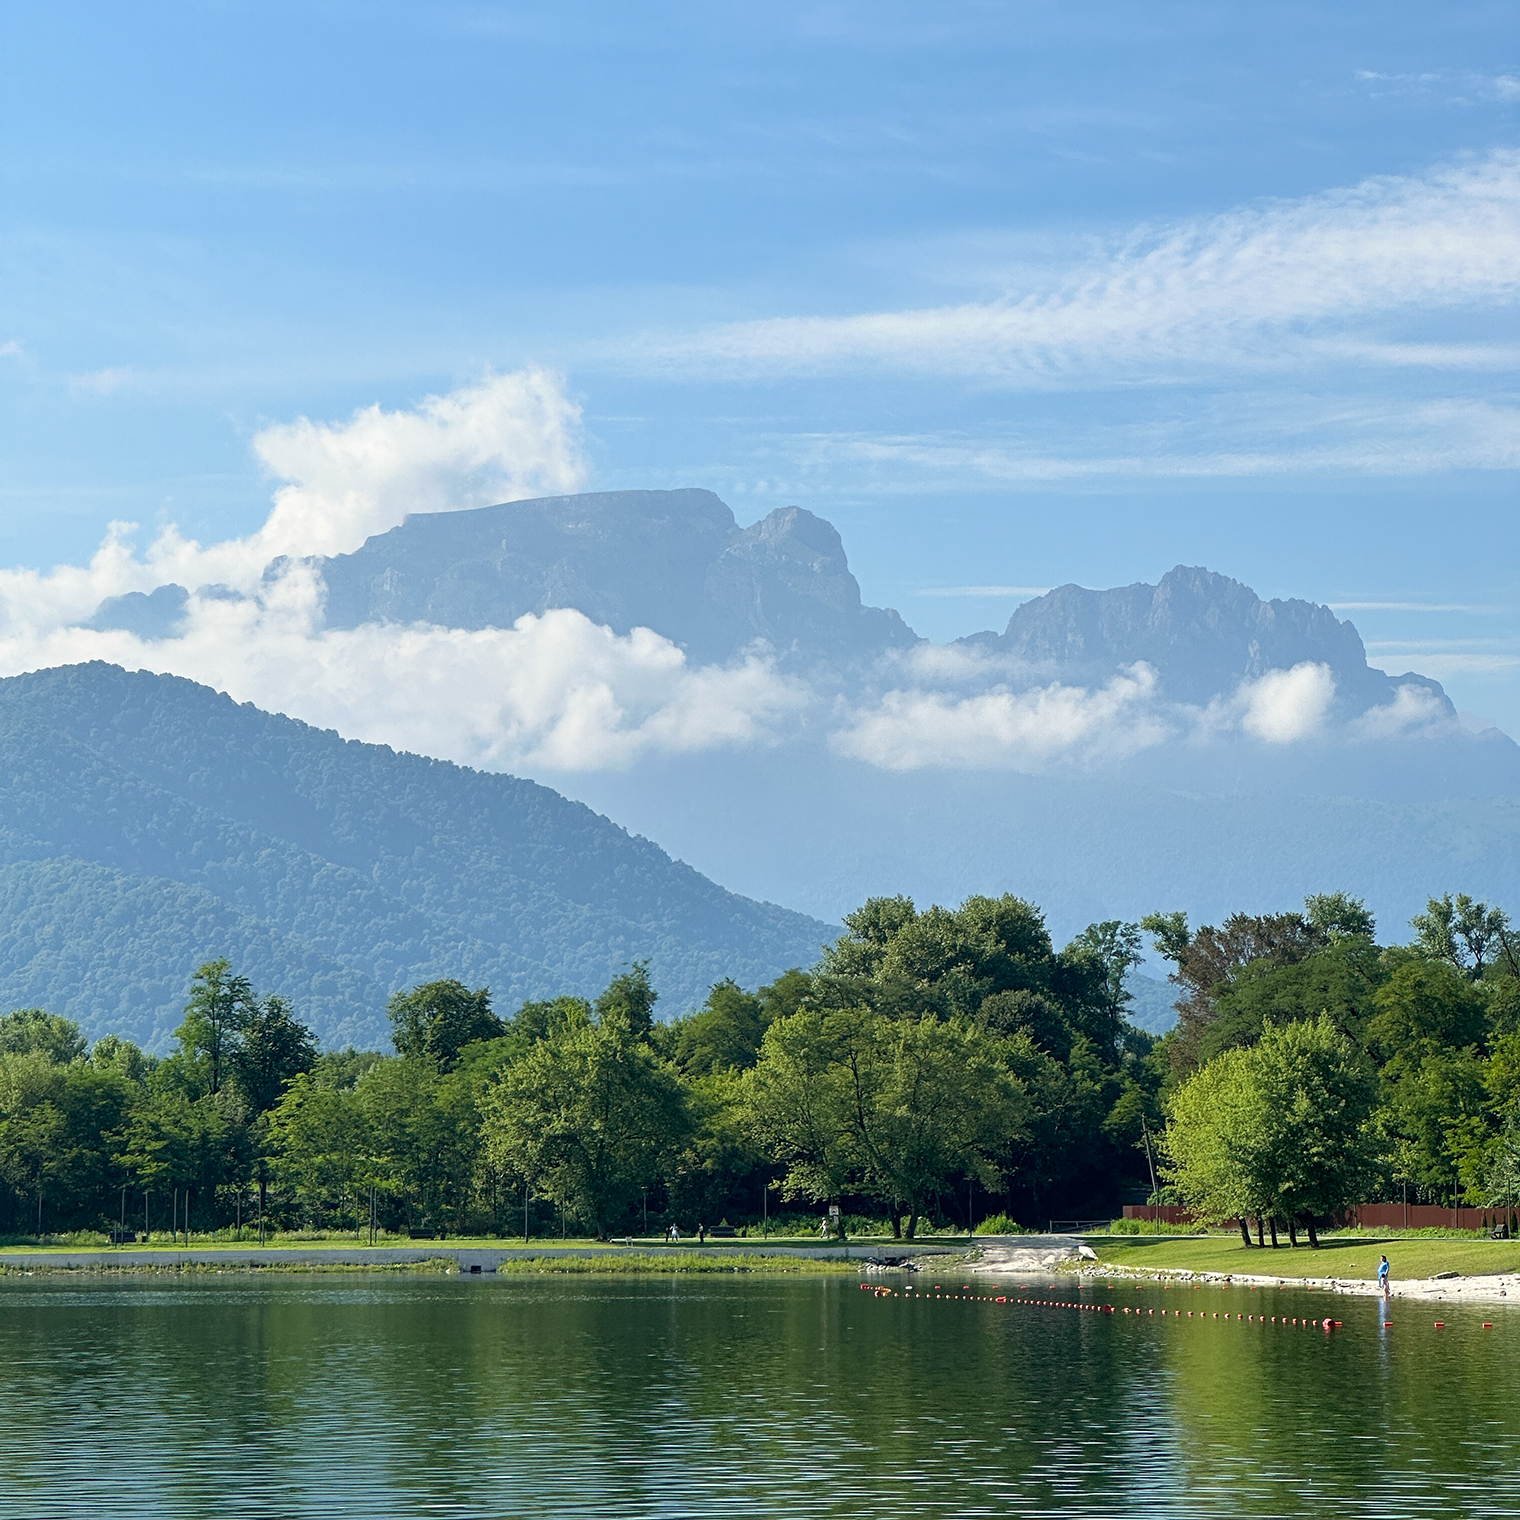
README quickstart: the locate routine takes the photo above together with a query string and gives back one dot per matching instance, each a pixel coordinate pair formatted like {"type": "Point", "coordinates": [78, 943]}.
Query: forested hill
{"type": "Point", "coordinates": [148, 823]}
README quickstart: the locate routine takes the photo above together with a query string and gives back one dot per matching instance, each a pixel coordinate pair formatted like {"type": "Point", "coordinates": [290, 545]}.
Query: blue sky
{"type": "Point", "coordinates": [1013, 294]}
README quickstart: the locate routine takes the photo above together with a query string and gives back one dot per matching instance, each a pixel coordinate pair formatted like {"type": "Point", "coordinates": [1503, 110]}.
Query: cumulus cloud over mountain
{"type": "Point", "coordinates": [403, 591]}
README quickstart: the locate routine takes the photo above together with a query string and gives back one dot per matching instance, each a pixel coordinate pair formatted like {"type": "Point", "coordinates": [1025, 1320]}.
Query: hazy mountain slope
{"type": "Point", "coordinates": [674, 561]}
{"type": "Point", "coordinates": [1230, 828]}
{"type": "Point", "coordinates": [115, 952]}
{"type": "Point", "coordinates": [363, 869]}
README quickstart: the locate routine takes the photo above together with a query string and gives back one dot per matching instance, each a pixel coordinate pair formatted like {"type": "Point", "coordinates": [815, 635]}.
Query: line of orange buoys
{"type": "Point", "coordinates": [966, 1292]}
{"type": "Point", "coordinates": [882, 1290]}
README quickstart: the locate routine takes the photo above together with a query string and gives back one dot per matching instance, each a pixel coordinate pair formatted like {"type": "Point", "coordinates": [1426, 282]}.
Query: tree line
{"type": "Point", "coordinates": [1312, 1068]}
{"type": "Point", "coordinates": [938, 1064]}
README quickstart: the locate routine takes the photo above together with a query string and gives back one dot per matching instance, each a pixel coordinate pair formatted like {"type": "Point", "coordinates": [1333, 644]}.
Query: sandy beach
{"type": "Point", "coordinates": [1062, 1254]}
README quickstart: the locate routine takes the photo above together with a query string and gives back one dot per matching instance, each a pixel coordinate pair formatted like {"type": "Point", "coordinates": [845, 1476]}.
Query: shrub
{"type": "Point", "coordinates": [1153, 1227]}
{"type": "Point", "coordinates": [999, 1224]}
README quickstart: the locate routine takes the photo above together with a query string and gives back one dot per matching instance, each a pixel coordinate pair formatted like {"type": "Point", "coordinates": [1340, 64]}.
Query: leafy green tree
{"type": "Point", "coordinates": [319, 1137]}
{"type": "Point", "coordinates": [1209, 960]}
{"type": "Point", "coordinates": [797, 1100]}
{"type": "Point", "coordinates": [219, 1006]}
{"type": "Point", "coordinates": [1211, 1142]}
{"type": "Point", "coordinates": [424, 1137]}
{"type": "Point", "coordinates": [172, 1140]}
{"type": "Point", "coordinates": [1110, 949]}
{"type": "Point", "coordinates": [436, 1020]}
{"type": "Point", "coordinates": [33, 1126]}
{"type": "Point", "coordinates": [856, 1101]}
{"type": "Point", "coordinates": [631, 999]}
{"type": "Point", "coordinates": [275, 1049]}
{"type": "Point", "coordinates": [1501, 1183]}
{"type": "Point", "coordinates": [1314, 1145]}
{"type": "Point", "coordinates": [1282, 1130]}
{"type": "Point", "coordinates": [1465, 933]}
{"type": "Point", "coordinates": [114, 1054]}
{"type": "Point", "coordinates": [1340, 980]}
{"type": "Point", "coordinates": [588, 1115]}
{"type": "Point", "coordinates": [720, 1169]}
{"type": "Point", "coordinates": [723, 1035]}
{"type": "Point", "coordinates": [34, 1030]}
{"type": "Point", "coordinates": [930, 1103]}
{"type": "Point", "coordinates": [1335, 915]}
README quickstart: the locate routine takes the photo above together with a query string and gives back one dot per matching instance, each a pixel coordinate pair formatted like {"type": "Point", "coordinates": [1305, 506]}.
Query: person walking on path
{"type": "Point", "coordinates": [1383, 1276]}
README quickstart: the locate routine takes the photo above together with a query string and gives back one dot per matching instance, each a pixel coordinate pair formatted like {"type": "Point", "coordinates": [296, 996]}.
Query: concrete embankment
{"type": "Point", "coordinates": [469, 1258]}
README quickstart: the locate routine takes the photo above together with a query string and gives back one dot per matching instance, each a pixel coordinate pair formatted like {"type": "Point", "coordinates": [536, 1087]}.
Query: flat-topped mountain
{"type": "Point", "coordinates": [674, 561]}
{"type": "Point", "coordinates": [1203, 633]}
{"type": "Point", "coordinates": [148, 824]}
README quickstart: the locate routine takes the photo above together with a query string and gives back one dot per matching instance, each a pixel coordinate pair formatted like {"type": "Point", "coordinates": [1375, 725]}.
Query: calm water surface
{"type": "Point", "coordinates": [386, 1396]}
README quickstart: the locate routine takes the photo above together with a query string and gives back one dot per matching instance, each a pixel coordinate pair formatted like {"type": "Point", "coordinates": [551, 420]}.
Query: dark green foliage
{"type": "Point", "coordinates": [435, 1021]}
{"type": "Point", "coordinates": [723, 1035]}
{"type": "Point", "coordinates": [631, 998]}
{"type": "Point", "coordinates": [220, 1007]}
{"type": "Point", "coordinates": [1339, 981]}
{"type": "Point", "coordinates": [274, 1049]}
{"type": "Point", "coordinates": [34, 1031]}
{"type": "Point", "coordinates": [1208, 962]}
{"type": "Point", "coordinates": [144, 818]}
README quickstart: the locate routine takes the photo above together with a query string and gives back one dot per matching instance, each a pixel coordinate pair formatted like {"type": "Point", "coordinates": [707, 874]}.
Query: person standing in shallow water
{"type": "Point", "coordinates": [1383, 1275]}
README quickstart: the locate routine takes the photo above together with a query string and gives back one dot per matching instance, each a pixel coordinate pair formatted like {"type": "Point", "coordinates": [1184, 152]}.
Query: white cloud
{"type": "Point", "coordinates": [507, 437]}
{"type": "Point", "coordinates": [1284, 706]}
{"type": "Point", "coordinates": [1414, 709]}
{"type": "Point", "coordinates": [943, 720]}
{"type": "Point", "coordinates": [1257, 284]}
{"type": "Point", "coordinates": [555, 691]}
{"type": "Point", "coordinates": [1006, 730]}
{"type": "Point", "coordinates": [1392, 438]}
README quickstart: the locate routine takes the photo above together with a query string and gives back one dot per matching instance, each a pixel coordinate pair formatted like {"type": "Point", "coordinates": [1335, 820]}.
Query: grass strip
{"type": "Point", "coordinates": [651, 1263]}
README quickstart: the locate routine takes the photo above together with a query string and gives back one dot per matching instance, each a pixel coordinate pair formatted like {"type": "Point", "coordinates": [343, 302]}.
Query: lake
{"type": "Point", "coordinates": [296, 1395]}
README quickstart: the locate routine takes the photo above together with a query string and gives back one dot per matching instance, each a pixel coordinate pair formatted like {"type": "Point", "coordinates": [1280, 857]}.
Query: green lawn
{"type": "Point", "coordinates": [1337, 1256]}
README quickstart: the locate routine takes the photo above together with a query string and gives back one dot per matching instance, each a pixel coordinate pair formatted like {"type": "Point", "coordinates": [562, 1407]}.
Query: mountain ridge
{"type": "Point", "coordinates": [1202, 632]}
{"type": "Point", "coordinates": [372, 868]}
{"type": "Point", "coordinates": [675, 561]}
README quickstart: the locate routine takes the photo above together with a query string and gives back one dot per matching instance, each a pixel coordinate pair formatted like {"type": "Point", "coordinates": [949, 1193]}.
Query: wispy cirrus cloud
{"type": "Point", "coordinates": [1259, 286]}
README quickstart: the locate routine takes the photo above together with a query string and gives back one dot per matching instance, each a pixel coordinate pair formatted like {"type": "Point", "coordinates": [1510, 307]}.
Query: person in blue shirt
{"type": "Point", "coordinates": [1383, 1274]}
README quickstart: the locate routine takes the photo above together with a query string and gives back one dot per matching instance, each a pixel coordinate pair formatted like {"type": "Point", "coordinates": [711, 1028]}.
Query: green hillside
{"type": "Point", "coordinates": [147, 823]}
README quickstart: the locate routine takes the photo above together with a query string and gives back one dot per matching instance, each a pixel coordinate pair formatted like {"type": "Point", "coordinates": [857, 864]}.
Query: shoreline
{"type": "Point", "coordinates": [1495, 1288]}
{"type": "Point", "coordinates": [1053, 1254]}
{"type": "Point", "coordinates": [469, 1260]}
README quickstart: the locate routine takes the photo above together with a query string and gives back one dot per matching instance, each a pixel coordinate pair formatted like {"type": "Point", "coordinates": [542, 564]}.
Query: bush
{"type": "Point", "coordinates": [1153, 1227]}
{"type": "Point", "coordinates": [999, 1224]}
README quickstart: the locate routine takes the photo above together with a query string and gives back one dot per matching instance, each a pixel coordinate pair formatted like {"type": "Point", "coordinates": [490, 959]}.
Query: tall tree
{"type": "Point", "coordinates": [436, 1020]}
{"type": "Point", "coordinates": [1282, 1130]}
{"type": "Point", "coordinates": [275, 1048]}
{"type": "Point", "coordinates": [1110, 948]}
{"type": "Point", "coordinates": [586, 1115]}
{"type": "Point", "coordinates": [29, 1030]}
{"type": "Point", "coordinates": [1465, 933]}
{"type": "Point", "coordinates": [219, 1006]}
{"type": "Point", "coordinates": [631, 998]}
